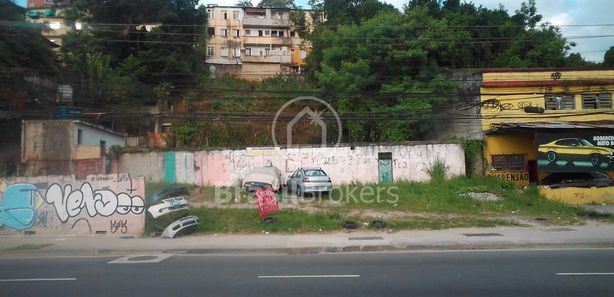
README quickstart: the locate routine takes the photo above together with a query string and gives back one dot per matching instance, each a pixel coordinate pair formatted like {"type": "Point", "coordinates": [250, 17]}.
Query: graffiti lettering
{"type": "Point", "coordinates": [121, 225]}
{"type": "Point", "coordinates": [42, 218]}
{"type": "Point", "coordinates": [122, 177]}
{"type": "Point", "coordinates": [69, 203]}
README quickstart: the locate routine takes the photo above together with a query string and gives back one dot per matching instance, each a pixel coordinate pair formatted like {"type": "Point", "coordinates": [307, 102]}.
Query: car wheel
{"type": "Point", "coordinates": [595, 160]}
{"type": "Point", "coordinates": [551, 156]}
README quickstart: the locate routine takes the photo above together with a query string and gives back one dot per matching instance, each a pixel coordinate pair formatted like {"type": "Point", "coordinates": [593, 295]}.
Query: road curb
{"type": "Point", "coordinates": [307, 250]}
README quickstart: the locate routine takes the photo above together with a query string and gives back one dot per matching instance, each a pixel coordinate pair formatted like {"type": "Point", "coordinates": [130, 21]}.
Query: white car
{"type": "Point", "coordinates": [309, 180]}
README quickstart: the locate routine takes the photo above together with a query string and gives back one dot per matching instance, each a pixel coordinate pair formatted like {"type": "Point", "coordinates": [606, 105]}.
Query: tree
{"type": "Point", "coordinates": [244, 3]}
{"type": "Point", "coordinates": [394, 63]}
{"type": "Point", "coordinates": [24, 51]}
{"type": "Point", "coordinates": [166, 49]}
{"type": "Point", "coordinates": [608, 57]}
{"type": "Point", "coordinates": [277, 3]}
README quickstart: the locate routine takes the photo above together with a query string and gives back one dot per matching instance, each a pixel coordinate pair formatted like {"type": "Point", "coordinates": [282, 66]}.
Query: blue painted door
{"type": "Point", "coordinates": [169, 167]}
{"type": "Point", "coordinates": [385, 171]}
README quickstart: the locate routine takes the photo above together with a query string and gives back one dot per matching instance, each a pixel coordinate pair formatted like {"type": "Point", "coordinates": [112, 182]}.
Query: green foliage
{"type": "Point", "coordinates": [244, 3]}
{"type": "Point", "coordinates": [277, 3]}
{"type": "Point", "coordinates": [22, 48]}
{"type": "Point", "coordinates": [474, 149]}
{"type": "Point", "coordinates": [185, 135]}
{"type": "Point", "coordinates": [115, 150]}
{"type": "Point", "coordinates": [438, 171]}
{"type": "Point", "coordinates": [608, 57]}
{"type": "Point", "coordinates": [117, 61]}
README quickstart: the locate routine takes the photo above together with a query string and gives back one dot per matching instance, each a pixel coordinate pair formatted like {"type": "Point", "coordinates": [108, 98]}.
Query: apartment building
{"type": "Point", "coordinates": [254, 43]}
{"type": "Point", "coordinates": [50, 13]}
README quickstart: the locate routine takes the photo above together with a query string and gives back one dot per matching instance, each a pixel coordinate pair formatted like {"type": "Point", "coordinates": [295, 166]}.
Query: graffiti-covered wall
{"type": "Point", "coordinates": [100, 204]}
{"type": "Point", "coordinates": [344, 164]}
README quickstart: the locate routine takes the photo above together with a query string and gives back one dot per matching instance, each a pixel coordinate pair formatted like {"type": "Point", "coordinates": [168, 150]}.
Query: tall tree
{"type": "Point", "coordinates": [277, 3]}
{"type": "Point", "coordinates": [608, 57]}
{"type": "Point", "coordinates": [142, 44]}
{"type": "Point", "coordinates": [244, 3]}
{"type": "Point", "coordinates": [394, 63]}
{"type": "Point", "coordinates": [24, 51]}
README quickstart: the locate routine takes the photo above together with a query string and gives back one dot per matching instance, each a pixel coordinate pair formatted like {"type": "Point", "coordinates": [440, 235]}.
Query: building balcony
{"type": "Point", "coordinates": [280, 59]}
{"type": "Point", "coordinates": [287, 41]}
{"type": "Point", "coordinates": [266, 23]}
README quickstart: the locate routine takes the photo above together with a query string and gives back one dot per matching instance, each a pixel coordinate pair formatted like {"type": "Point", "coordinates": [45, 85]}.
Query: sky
{"type": "Point", "coordinates": [557, 12]}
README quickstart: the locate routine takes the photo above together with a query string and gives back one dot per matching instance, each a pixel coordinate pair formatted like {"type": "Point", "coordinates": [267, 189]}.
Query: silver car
{"type": "Point", "coordinates": [309, 180]}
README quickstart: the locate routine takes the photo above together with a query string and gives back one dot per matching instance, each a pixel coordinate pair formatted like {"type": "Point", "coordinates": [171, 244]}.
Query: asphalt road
{"type": "Point", "coordinates": [478, 273]}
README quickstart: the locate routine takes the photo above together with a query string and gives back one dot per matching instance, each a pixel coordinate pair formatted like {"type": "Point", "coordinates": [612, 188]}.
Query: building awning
{"type": "Point", "coordinates": [532, 127]}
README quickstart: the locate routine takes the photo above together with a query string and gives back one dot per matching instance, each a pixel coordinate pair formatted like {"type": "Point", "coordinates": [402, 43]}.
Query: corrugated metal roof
{"type": "Point", "coordinates": [498, 127]}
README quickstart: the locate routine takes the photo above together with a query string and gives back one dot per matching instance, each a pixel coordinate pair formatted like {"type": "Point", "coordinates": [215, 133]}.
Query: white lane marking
{"type": "Point", "coordinates": [138, 259]}
{"type": "Point", "coordinates": [38, 279]}
{"type": "Point", "coordinates": [583, 273]}
{"type": "Point", "coordinates": [312, 276]}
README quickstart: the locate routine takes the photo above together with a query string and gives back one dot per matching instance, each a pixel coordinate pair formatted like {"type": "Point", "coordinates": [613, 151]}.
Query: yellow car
{"type": "Point", "coordinates": [576, 149]}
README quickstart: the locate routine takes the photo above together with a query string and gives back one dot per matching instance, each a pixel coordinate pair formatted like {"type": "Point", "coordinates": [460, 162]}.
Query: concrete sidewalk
{"type": "Point", "coordinates": [590, 235]}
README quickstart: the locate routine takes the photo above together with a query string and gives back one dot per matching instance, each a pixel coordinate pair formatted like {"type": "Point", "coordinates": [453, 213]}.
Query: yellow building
{"type": "Point", "coordinates": [542, 121]}
{"type": "Point", "coordinates": [254, 43]}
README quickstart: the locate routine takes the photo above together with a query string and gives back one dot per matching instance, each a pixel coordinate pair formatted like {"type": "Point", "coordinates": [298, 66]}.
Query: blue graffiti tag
{"type": "Point", "coordinates": [18, 206]}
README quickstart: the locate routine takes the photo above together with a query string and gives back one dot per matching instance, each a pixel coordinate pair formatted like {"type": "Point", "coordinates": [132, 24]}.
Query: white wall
{"type": "Point", "coordinates": [344, 164]}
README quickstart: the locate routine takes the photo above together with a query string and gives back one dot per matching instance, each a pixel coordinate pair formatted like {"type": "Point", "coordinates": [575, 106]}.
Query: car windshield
{"type": "Point", "coordinates": [585, 142]}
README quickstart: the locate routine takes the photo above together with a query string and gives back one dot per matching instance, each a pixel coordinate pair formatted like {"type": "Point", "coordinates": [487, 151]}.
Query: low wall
{"type": "Point", "coordinates": [344, 164]}
{"type": "Point", "coordinates": [100, 204]}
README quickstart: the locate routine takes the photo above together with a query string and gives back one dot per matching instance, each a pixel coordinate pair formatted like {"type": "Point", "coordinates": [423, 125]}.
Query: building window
{"type": "Point", "coordinates": [211, 31]}
{"type": "Point", "coordinates": [596, 101]}
{"type": "Point", "coordinates": [224, 15]}
{"type": "Point", "coordinates": [235, 33]}
{"type": "Point", "coordinates": [224, 32]}
{"type": "Point", "coordinates": [248, 51]}
{"type": "Point", "coordinates": [236, 52]}
{"type": "Point", "coordinates": [508, 162]}
{"type": "Point", "coordinates": [248, 32]}
{"type": "Point", "coordinates": [292, 33]}
{"type": "Point", "coordinates": [235, 15]}
{"type": "Point", "coordinates": [209, 51]}
{"type": "Point", "coordinates": [79, 137]}
{"type": "Point", "coordinates": [267, 52]}
{"type": "Point", "coordinates": [267, 33]}
{"type": "Point", "coordinates": [224, 52]}
{"type": "Point", "coordinates": [210, 15]}
{"type": "Point", "coordinates": [559, 101]}
{"type": "Point", "coordinates": [260, 33]}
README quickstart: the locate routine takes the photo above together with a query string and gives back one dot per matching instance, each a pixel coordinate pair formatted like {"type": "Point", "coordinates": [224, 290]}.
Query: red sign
{"type": "Point", "coordinates": [267, 204]}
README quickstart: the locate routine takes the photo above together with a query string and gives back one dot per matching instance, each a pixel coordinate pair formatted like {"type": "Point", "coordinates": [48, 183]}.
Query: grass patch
{"type": "Point", "coordinates": [443, 197]}
{"type": "Point", "coordinates": [440, 199]}
{"type": "Point", "coordinates": [231, 220]}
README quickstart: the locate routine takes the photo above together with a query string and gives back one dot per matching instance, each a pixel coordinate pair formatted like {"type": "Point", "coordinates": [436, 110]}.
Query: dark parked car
{"type": "Point", "coordinates": [577, 179]}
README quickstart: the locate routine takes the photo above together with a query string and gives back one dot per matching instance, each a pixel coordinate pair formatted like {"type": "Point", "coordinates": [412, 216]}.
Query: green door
{"type": "Point", "coordinates": [169, 167]}
{"type": "Point", "coordinates": [385, 167]}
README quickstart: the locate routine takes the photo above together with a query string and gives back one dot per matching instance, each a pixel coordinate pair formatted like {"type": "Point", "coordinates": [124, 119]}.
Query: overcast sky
{"type": "Point", "coordinates": [557, 12]}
